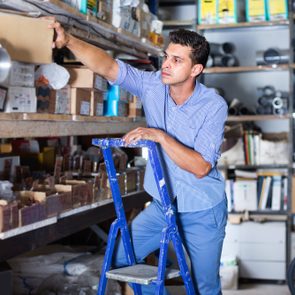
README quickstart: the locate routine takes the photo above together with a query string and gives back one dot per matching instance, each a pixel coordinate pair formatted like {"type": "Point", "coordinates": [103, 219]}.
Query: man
{"type": "Point", "coordinates": [187, 120]}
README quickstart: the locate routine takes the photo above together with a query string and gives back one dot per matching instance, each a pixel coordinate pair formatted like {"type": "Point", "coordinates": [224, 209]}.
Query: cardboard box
{"type": "Point", "coordinates": [96, 103]}
{"type": "Point", "coordinates": [63, 101]}
{"type": "Point", "coordinates": [32, 207]}
{"type": "Point", "coordinates": [82, 193]}
{"type": "Point", "coordinates": [104, 10]}
{"type": "Point", "coordinates": [26, 39]}
{"type": "Point", "coordinates": [21, 100]}
{"type": "Point", "coordinates": [82, 77]}
{"type": "Point", "coordinates": [45, 99]}
{"type": "Point", "coordinates": [135, 107]}
{"type": "Point", "coordinates": [131, 180]}
{"type": "Point", "coordinates": [277, 10]}
{"type": "Point", "coordinates": [65, 196]}
{"type": "Point", "coordinates": [80, 101]}
{"type": "Point", "coordinates": [255, 10]}
{"type": "Point", "coordinates": [8, 216]}
{"type": "Point", "coordinates": [227, 11]}
{"type": "Point", "coordinates": [207, 11]}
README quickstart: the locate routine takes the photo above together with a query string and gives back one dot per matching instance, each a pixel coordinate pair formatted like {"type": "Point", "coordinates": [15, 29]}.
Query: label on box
{"type": "Point", "coordinates": [22, 74]}
{"type": "Point", "coordinates": [85, 108]}
{"type": "Point", "coordinates": [207, 11]}
{"type": "Point", "coordinates": [99, 109]}
{"type": "Point", "coordinates": [21, 99]}
{"type": "Point", "coordinates": [62, 105]}
{"type": "Point", "coordinates": [100, 83]}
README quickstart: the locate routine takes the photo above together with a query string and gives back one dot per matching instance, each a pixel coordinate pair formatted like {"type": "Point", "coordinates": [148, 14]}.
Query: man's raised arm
{"type": "Point", "coordinates": [94, 58]}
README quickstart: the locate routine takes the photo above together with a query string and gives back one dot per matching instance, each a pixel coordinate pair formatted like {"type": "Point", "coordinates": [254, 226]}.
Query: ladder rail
{"type": "Point", "coordinates": [169, 233]}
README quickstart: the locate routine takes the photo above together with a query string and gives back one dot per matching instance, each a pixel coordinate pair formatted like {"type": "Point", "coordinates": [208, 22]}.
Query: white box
{"type": "Point", "coordinates": [22, 74]}
{"type": "Point", "coordinates": [21, 99]}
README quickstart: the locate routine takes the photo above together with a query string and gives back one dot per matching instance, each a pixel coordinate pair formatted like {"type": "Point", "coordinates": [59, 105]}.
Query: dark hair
{"type": "Point", "coordinates": [199, 44]}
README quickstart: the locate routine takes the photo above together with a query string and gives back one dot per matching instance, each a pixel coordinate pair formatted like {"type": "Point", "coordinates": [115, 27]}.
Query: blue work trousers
{"type": "Point", "coordinates": [202, 234]}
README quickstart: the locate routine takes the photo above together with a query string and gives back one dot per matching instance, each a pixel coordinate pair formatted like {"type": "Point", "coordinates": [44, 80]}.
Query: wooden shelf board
{"type": "Point", "coordinates": [217, 70]}
{"type": "Point", "coordinates": [23, 229]}
{"type": "Point", "coordinates": [262, 166]}
{"type": "Point", "coordinates": [246, 118]}
{"type": "Point", "coordinates": [52, 125]}
{"type": "Point", "coordinates": [179, 23]}
{"type": "Point", "coordinates": [27, 241]}
{"type": "Point", "coordinates": [243, 25]}
{"type": "Point", "coordinates": [259, 216]}
{"type": "Point", "coordinates": [20, 230]}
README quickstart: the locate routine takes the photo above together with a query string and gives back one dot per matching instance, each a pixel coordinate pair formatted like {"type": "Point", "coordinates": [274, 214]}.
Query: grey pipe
{"type": "Point", "coordinates": [272, 56]}
{"type": "Point", "coordinates": [225, 61]}
{"type": "Point", "coordinates": [221, 49]}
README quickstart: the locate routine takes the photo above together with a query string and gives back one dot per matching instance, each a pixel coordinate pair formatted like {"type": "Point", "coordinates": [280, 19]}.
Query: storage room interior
{"type": "Point", "coordinates": [57, 204]}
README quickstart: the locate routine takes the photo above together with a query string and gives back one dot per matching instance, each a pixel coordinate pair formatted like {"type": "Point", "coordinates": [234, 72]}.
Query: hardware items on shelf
{"type": "Point", "coordinates": [272, 101]}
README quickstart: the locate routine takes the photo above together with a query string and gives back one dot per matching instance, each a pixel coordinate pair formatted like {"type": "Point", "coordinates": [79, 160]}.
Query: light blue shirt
{"type": "Point", "coordinates": [198, 124]}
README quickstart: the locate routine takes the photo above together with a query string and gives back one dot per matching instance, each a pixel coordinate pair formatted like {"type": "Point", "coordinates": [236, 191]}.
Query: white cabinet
{"type": "Point", "coordinates": [259, 247]}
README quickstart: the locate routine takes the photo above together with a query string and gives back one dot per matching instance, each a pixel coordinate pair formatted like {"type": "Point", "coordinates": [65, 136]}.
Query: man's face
{"type": "Point", "coordinates": [177, 65]}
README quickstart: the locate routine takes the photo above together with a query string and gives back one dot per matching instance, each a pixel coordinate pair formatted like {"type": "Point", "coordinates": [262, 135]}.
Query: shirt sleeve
{"type": "Point", "coordinates": [209, 139]}
{"type": "Point", "coordinates": [129, 78]}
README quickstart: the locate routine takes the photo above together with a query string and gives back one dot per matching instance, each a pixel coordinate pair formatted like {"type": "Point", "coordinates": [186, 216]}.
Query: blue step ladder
{"type": "Point", "coordinates": [141, 274]}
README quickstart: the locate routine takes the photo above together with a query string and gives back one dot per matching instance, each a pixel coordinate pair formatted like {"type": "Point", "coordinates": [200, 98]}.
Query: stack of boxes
{"type": "Point", "coordinates": [87, 91]}
{"type": "Point", "coordinates": [130, 16]}
{"type": "Point", "coordinates": [232, 11]}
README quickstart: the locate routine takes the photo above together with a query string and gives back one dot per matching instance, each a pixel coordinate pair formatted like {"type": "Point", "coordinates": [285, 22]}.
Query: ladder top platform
{"type": "Point", "coordinates": [140, 274]}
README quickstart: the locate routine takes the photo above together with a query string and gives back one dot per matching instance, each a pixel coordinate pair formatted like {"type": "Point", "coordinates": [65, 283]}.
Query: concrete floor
{"type": "Point", "coordinates": [244, 289]}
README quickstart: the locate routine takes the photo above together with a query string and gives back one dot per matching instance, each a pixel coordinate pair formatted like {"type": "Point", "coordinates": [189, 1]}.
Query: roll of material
{"type": "Point", "coordinates": [221, 49]}
{"type": "Point", "coordinates": [225, 61]}
{"type": "Point", "coordinates": [272, 56]}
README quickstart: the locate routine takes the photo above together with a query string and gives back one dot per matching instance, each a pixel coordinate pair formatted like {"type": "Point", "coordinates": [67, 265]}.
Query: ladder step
{"type": "Point", "coordinates": [140, 274]}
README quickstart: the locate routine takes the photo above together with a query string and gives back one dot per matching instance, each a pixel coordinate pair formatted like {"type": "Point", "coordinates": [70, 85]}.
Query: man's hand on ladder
{"type": "Point", "coordinates": [139, 133]}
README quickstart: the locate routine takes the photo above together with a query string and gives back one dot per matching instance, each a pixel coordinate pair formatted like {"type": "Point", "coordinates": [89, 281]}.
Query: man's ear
{"type": "Point", "coordinates": [197, 70]}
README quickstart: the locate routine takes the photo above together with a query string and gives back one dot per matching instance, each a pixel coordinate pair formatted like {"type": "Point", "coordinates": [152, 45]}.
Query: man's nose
{"type": "Point", "coordinates": [166, 63]}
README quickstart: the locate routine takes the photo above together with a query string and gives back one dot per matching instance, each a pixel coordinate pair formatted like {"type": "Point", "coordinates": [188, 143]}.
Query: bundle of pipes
{"type": "Point", "coordinates": [221, 55]}
{"type": "Point", "coordinates": [237, 108]}
{"type": "Point", "coordinates": [272, 56]}
{"type": "Point", "coordinates": [272, 101]}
